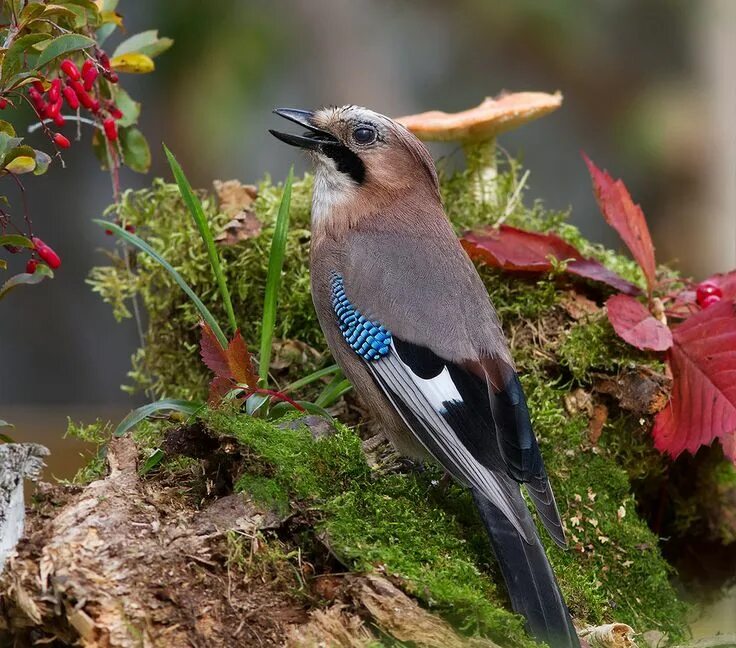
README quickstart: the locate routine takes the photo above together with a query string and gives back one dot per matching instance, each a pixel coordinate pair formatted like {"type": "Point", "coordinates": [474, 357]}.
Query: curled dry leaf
{"type": "Point", "coordinates": [514, 249]}
{"type": "Point", "coordinates": [703, 403]}
{"type": "Point", "coordinates": [625, 217]}
{"type": "Point", "coordinates": [611, 635]}
{"type": "Point", "coordinates": [235, 200]}
{"type": "Point", "coordinates": [636, 325]}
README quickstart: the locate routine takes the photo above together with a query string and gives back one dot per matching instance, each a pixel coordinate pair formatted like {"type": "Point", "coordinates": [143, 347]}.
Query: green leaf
{"type": "Point", "coordinates": [59, 11]}
{"type": "Point", "coordinates": [7, 142]}
{"type": "Point", "coordinates": [21, 79]}
{"type": "Point", "coordinates": [273, 279]}
{"type": "Point", "coordinates": [131, 109]}
{"type": "Point", "coordinates": [42, 162]}
{"type": "Point", "coordinates": [157, 456]}
{"type": "Point", "coordinates": [6, 439]}
{"type": "Point", "coordinates": [21, 159]}
{"type": "Point", "coordinates": [63, 45]}
{"type": "Point", "coordinates": [104, 32]}
{"type": "Point", "coordinates": [14, 60]}
{"type": "Point", "coordinates": [25, 279]}
{"type": "Point", "coordinates": [29, 12]}
{"type": "Point", "coordinates": [332, 392]}
{"type": "Point", "coordinates": [255, 402]}
{"type": "Point", "coordinates": [17, 240]}
{"type": "Point", "coordinates": [165, 405]}
{"type": "Point", "coordinates": [143, 246]}
{"type": "Point", "coordinates": [146, 42]}
{"type": "Point", "coordinates": [7, 127]}
{"type": "Point", "coordinates": [195, 209]}
{"type": "Point", "coordinates": [85, 4]}
{"type": "Point", "coordinates": [5, 424]}
{"type": "Point", "coordinates": [136, 153]}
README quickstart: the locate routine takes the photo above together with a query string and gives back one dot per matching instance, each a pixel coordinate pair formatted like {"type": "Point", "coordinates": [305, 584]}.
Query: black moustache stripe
{"type": "Point", "coordinates": [346, 161]}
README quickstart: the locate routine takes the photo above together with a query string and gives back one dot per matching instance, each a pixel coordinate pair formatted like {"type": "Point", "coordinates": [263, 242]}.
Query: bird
{"type": "Point", "coordinates": [410, 323]}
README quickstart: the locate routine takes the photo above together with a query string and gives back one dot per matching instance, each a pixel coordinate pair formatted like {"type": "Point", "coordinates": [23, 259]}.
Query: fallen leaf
{"type": "Point", "coordinates": [597, 421]}
{"type": "Point", "coordinates": [511, 248]}
{"type": "Point", "coordinates": [233, 196]}
{"type": "Point", "coordinates": [625, 217]}
{"type": "Point", "coordinates": [244, 226]}
{"type": "Point", "coordinates": [703, 403]}
{"type": "Point", "coordinates": [578, 306]}
{"type": "Point", "coordinates": [636, 325]}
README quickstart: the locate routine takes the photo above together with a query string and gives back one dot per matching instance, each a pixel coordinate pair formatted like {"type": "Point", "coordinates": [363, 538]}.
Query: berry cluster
{"type": "Point", "coordinates": [707, 293]}
{"type": "Point", "coordinates": [45, 253]}
{"type": "Point", "coordinates": [77, 89]}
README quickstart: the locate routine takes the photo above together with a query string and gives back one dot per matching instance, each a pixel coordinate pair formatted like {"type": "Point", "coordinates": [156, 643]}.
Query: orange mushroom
{"type": "Point", "coordinates": [476, 129]}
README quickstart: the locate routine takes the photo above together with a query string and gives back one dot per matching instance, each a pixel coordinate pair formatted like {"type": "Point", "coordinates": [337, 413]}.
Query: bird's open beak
{"type": "Point", "coordinates": [312, 139]}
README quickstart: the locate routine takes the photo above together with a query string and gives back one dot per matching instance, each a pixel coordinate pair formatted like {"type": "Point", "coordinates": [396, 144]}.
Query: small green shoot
{"type": "Point", "coordinates": [143, 412]}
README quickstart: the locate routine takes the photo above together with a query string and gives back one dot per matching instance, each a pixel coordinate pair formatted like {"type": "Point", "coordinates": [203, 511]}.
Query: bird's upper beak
{"type": "Point", "coordinates": [312, 139]}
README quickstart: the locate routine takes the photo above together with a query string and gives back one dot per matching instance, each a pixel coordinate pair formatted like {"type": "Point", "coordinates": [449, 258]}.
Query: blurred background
{"type": "Point", "coordinates": [649, 94]}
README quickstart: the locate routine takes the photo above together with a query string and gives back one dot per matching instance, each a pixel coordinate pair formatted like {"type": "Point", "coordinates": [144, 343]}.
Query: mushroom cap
{"type": "Point", "coordinates": [491, 117]}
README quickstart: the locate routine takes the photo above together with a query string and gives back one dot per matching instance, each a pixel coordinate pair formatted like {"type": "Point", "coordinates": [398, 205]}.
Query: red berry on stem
{"type": "Point", "coordinates": [46, 253]}
{"type": "Point", "coordinates": [89, 78]}
{"type": "Point", "coordinates": [112, 76]}
{"type": "Point", "coordinates": [54, 91]}
{"type": "Point", "coordinates": [104, 59]}
{"type": "Point", "coordinates": [111, 129]}
{"type": "Point", "coordinates": [70, 69]}
{"type": "Point", "coordinates": [709, 300]}
{"type": "Point", "coordinates": [3, 104]}
{"type": "Point", "coordinates": [115, 112]}
{"type": "Point", "coordinates": [706, 289]}
{"type": "Point", "coordinates": [95, 106]}
{"type": "Point", "coordinates": [31, 266]}
{"type": "Point", "coordinates": [61, 141]}
{"type": "Point", "coordinates": [71, 98]}
{"type": "Point", "coordinates": [108, 232]}
{"type": "Point", "coordinates": [130, 228]}
{"type": "Point", "coordinates": [82, 95]}
{"type": "Point", "coordinates": [87, 66]}
{"type": "Point", "coordinates": [59, 120]}
{"type": "Point", "coordinates": [38, 87]}
{"type": "Point", "coordinates": [52, 110]}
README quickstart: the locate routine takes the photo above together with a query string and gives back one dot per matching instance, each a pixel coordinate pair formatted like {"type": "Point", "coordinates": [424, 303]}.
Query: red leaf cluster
{"type": "Point", "coordinates": [636, 325]}
{"type": "Point", "coordinates": [510, 248]}
{"type": "Point", "coordinates": [703, 403]}
{"type": "Point", "coordinates": [626, 218]}
{"type": "Point", "coordinates": [231, 366]}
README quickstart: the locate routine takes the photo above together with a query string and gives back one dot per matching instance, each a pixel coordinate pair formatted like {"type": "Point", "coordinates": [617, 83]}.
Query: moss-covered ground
{"type": "Point", "coordinates": [425, 533]}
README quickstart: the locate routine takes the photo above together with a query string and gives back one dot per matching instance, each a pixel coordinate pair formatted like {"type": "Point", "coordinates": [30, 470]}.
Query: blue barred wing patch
{"type": "Point", "coordinates": [370, 340]}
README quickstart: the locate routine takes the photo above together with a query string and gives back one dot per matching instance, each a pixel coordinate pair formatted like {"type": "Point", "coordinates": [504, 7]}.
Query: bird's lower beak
{"type": "Point", "coordinates": [312, 139]}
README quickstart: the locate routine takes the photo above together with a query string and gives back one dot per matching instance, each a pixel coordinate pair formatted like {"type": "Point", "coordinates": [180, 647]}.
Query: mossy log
{"type": "Point", "coordinates": [344, 517]}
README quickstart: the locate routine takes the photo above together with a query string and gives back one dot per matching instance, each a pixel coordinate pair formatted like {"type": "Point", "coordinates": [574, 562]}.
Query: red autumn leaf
{"type": "Point", "coordinates": [515, 249]}
{"type": "Point", "coordinates": [703, 403]}
{"type": "Point", "coordinates": [240, 362]}
{"type": "Point", "coordinates": [636, 325]}
{"type": "Point", "coordinates": [625, 217]}
{"type": "Point", "coordinates": [213, 355]}
{"type": "Point", "coordinates": [219, 387]}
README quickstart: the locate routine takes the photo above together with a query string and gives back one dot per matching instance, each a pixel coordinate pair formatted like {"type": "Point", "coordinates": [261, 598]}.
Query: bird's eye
{"type": "Point", "coordinates": [364, 135]}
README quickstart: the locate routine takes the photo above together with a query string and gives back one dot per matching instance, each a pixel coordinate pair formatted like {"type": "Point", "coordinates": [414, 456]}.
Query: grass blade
{"type": "Point", "coordinates": [144, 247]}
{"type": "Point", "coordinates": [273, 279]}
{"type": "Point", "coordinates": [332, 392]}
{"type": "Point", "coordinates": [314, 376]}
{"type": "Point", "coordinates": [167, 404]}
{"type": "Point", "coordinates": [195, 209]}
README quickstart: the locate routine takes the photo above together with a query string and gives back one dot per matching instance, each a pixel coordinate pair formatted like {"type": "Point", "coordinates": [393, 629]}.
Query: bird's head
{"type": "Point", "coordinates": [360, 157]}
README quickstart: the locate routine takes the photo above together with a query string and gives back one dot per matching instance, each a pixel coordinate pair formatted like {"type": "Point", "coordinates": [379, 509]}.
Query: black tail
{"type": "Point", "coordinates": [529, 579]}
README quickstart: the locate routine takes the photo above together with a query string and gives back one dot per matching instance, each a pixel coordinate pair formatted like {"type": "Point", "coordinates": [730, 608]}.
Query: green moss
{"type": "Point", "coordinates": [409, 527]}
{"type": "Point", "coordinates": [96, 434]}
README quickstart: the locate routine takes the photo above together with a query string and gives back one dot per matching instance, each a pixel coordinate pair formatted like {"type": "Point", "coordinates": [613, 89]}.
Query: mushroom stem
{"type": "Point", "coordinates": [480, 157]}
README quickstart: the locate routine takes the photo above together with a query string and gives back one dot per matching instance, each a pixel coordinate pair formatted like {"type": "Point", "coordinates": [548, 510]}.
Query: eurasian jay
{"type": "Point", "coordinates": [410, 323]}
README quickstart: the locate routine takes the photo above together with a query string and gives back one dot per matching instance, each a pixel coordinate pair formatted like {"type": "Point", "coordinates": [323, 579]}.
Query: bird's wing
{"type": "Point", "coordinates": [448, 372]}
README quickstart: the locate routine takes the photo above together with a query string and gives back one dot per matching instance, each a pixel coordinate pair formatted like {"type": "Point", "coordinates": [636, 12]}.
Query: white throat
{"type": "Point", "coordinates": [331, 189]}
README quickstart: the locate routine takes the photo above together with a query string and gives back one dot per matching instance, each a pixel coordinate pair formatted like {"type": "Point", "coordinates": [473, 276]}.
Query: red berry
{"type": "Point", "coordinates": [104, 59]}
{"type": "Point", "coordinates": [13, 249]}
{"type": "Point", "coordinates": [61, 141]}
{"type": "Point", "coordinates": [111, 130]}
{"type": "Point", "coordinates": [95, 107]}
{"type": "Point", "coordinates": [38, 87]}
{"type": "Point", "coordinates": [52, 109]}
{"type": "Point", "coordinates": [3, 104]}
{"type": "Point", "coordinates": [115, 112]}
{"type": "Point", "coordinates": [89, 77]}
{"type": "Point", "coordinates": [54, 91]}
{"type": "Point", "coordinates": [71, 98]}
{"type": "Point", "coordinates": [130, 228]}
{"type": "Point", "coordinates": [108, 232]}
{"type": "Point", "coordinates": [70, 69]}
{"type": "Point", "coordinates": [82, 95]}
{"type": "Point", "coordinates": [46, 253]}
{"type": "Point", "coordinates": [111, 76]}
{"type": "Point", "coordinates": [31, 266]}
{"type": "Point", "coordinates": [59, 120]}
{"type": "Point", "coordinates": [87, 66]}
{"type": "Point", "coordinates": [707, 289]}
{"type": "Point", "coordinates": [709, 300]}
